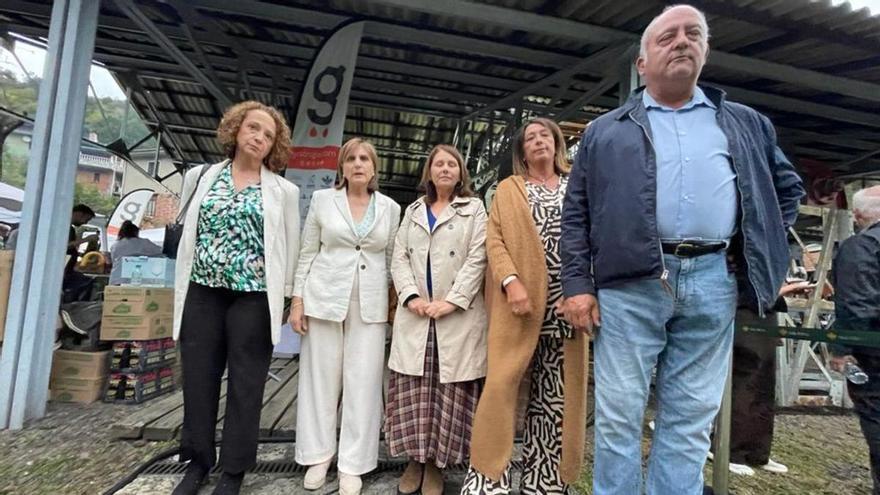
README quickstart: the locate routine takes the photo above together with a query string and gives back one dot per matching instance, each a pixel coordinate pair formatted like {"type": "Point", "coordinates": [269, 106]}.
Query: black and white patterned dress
{"type": "Point", "coordinates": [542, 435]}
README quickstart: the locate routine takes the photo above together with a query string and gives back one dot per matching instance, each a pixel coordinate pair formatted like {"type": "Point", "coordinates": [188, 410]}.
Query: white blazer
{"type": "Point", "coordinates": [332, 253]}
{"type": "Point", "coordinates": [280, 238]}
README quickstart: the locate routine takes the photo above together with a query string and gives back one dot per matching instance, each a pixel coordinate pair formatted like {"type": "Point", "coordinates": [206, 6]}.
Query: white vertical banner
{"type": "Point", "coordinates": [320, 116]}
{"type": "Point", "coordinates": [131, 207]}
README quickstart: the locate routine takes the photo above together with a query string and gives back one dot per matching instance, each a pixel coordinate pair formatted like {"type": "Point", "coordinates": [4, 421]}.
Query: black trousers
{"type": "Point", "coordinates": [220, 328]}
{"type": "Point", "coordinates": [866, 402]}
{"type": "Point", "coordinates": [753, 394]}
{"type": "Point", "coordinates": [753, 408]}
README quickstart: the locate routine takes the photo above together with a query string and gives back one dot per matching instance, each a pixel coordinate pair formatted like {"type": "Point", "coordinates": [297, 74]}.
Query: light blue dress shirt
{"type": "Point", "coordinates": [696, 184]}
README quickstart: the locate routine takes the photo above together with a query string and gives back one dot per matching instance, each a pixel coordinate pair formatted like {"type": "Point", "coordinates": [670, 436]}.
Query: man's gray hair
{"type": "Point", "coordinates": [704, 26]}
{"type": "Point", "coordinates": [867, 202]}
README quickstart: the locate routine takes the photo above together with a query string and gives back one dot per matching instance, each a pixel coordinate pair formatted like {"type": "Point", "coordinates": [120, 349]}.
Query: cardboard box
{"type": "Point", "coordinates": [127, 300]}
{"type": "Point", "coordinates": [134, 388]}
{"type": "Point", "coordinates": [85, 396]}
{"type": "Point", "coordinates": [136, 327]}
{"type": "Point", "coordinates": [137, 356]}
{"type": "Point", "coordinates": [6, 259]}
{"type": "Point", "coordinates": [155, 271]}
{"type": "Point", "coordinates": [74, 364]}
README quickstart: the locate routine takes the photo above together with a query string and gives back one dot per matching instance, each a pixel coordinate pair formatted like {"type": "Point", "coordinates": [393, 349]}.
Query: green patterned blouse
{"type": "Point", "coordinates": [229, 242]}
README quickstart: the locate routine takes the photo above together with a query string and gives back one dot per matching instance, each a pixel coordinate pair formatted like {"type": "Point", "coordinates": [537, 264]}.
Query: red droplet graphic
{"type": "Point", "coordinates": [313, 132]}
{"type": "Point", "coordinates": [325, 132]}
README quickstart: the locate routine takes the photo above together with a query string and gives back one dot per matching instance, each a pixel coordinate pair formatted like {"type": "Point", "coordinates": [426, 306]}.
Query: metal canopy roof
{"type": "Point", "coordinates": [424, 65]}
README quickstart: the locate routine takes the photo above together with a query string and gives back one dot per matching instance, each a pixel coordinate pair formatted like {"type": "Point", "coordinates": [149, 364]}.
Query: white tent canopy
{"type": "Point", "coordinates": [10, 203]}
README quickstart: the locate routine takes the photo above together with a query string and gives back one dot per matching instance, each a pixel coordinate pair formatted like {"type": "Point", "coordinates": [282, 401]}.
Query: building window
{"type": "Point", "coordinates": [151, 168]}
{"type": "Point", "coordinates": [150, 210]}
{"type": "Point", "coordinates": [96, 178]}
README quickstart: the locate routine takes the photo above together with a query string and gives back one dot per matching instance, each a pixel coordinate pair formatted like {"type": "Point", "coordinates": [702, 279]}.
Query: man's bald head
{"type": "Point", "coordinates": [646, 34]}
{"type": "Point", "coordinates": [866, 206]}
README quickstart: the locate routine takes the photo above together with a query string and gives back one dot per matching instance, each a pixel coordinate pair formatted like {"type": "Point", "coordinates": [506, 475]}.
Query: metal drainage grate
{"type": "Point", "coordinates": [290, 467]}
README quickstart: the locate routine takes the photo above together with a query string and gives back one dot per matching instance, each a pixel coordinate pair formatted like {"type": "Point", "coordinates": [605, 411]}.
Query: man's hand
{"type": "Point", "coordinates": [418, 306]}
{"type": "Point", "coordinates": [518, 298]}
{"type": "Point", "coordinates": [439, 309]}
{"type": "Point", "coordinates": [837, 363]}
{"type": "Point", "coordinates": [804, 288]}
{"type": "Point", "coordinates": [582, 311]}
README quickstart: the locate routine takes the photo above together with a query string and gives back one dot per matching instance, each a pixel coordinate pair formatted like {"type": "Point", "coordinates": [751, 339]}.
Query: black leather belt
{"type": "Point", "coordinates": [692, 249]}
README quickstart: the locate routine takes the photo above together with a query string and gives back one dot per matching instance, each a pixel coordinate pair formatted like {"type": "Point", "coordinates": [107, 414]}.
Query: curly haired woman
{"type": "Point", "coordinates": [235, 265]}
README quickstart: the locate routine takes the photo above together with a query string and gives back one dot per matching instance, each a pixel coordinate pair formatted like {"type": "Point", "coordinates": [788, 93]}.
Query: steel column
{"type": "Point", "coordinates": [33, 305]}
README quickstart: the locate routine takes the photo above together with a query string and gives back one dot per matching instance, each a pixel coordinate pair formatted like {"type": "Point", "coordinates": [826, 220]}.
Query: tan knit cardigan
{"type": "Point", "coordinates": [514, 248]}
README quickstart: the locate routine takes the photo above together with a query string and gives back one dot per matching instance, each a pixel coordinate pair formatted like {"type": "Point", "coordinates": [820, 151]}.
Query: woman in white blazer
{"type": "Point", "coordinates": [235, 264]}
{"type": "Point", "coordinates": [340, 306]}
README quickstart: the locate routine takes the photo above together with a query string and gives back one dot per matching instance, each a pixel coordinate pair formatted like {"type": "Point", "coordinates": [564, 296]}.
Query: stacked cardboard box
{"type": "Point", "coordinates": [6, 259]}
{"type": "Point", "coordinates": [140, 319]}
{"type": "Point", "coordinates": [78, 376]}
{"type": "Point", "coordinates": [136, 313]}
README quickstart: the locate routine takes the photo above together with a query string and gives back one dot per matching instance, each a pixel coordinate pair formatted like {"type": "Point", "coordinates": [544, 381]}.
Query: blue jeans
{"type": "Point", "coordinates": [687, 333]}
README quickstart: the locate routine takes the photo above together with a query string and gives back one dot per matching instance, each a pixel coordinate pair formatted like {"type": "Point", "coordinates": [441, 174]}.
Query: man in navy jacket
{"type": "Point", "coordinates": [663, 189]}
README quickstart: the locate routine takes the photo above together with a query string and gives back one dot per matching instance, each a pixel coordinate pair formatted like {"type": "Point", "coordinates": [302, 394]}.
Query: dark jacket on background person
{"type": "Point", "coordinates": [612, 197]}
{"type": "Point", "coordinates": [855, 275]}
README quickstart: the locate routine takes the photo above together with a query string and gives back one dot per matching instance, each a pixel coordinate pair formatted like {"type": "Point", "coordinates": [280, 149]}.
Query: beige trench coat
{"type": "Point", "coordinates": [458, 262]}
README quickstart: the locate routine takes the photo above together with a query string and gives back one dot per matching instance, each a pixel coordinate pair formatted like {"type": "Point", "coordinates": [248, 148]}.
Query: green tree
{"type": "Point", "coordinates": [90, 195]}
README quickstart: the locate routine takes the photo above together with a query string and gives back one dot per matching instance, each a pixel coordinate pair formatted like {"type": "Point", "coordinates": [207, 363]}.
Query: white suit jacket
{"type": "Point", "coordinates": [280, 239]}
{"type": "Point", "coordinates": [332, 253]}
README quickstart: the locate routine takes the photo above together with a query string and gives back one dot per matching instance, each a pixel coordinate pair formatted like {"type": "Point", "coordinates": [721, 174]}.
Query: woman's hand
{"type": "Point", "coordinates": [418, 306]}
{"type": "Point", "coordinates": [298, 320]}
{"type": "Point", "coordinates": [439, 309]}
{"type": "Point", "coordinates": [518, 298]}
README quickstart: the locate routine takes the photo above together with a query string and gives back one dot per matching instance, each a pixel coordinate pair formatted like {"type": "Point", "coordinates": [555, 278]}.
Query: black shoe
{"type": "Point", "coordinates": [196, 476]}
{"type": "Point", "coordinates": [229, 484]}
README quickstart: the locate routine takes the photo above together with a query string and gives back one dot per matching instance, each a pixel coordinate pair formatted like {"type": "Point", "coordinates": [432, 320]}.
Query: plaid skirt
{"type": "Point", "coordinates": [427, 420]}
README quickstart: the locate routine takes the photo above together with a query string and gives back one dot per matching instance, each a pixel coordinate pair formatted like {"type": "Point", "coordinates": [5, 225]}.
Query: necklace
{"type": "Point", "coordinates": [544, 180]}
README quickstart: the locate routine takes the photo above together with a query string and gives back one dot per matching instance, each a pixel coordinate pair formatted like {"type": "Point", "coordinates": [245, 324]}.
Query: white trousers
{"type": "Point", "coordinates": [346, 358]}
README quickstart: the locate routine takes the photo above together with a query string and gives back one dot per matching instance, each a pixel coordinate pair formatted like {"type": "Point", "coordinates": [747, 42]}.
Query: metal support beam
{"type": "Point", "coordinates": [129, 8]}
{"type": "Point", "coordinates": [629, 75]}
{"type": "Point", "coordinates": [598, 90]}
{"type": "Point", "coordinates": [595, 59]}
{"type": "Point", "coordinates": [33, 306]}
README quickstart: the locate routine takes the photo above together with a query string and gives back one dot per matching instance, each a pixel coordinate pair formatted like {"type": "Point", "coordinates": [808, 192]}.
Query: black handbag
{"type": "Point", "coordinates": [174, 231]}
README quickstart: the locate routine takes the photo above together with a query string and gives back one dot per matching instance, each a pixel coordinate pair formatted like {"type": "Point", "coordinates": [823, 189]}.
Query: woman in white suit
{"type": "Point", "coordinates": [340, 306]}
{"type": "Point", "coordinates": [235, 265]}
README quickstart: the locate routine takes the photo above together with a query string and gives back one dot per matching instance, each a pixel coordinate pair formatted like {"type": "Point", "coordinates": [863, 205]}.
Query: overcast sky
{"type": "Point", "coordinates": [32, 58]}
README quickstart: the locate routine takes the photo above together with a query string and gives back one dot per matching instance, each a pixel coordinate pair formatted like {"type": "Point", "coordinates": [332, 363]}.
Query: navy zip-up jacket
{"type": "Point", "coordinates": [609, 220]}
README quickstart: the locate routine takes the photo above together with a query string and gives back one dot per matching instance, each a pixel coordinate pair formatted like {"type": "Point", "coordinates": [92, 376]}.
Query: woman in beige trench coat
{"type": "Point", "coordinates": [438, 349]}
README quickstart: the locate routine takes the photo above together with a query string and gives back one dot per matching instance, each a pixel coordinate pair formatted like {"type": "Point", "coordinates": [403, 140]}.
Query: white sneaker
{"type": "Point", "coordinates": [710, 456]}
{"type": "Point", "coordinates": [316, 476]}
{"type": "Point", "coordinates": [775, 467]}
{"type": "Point", "coordinates": [741, 469]}
{"type": "Point", "coordinates": [349, 484]}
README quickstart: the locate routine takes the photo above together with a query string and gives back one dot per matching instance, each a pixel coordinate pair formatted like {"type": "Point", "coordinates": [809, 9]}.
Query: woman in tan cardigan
{"type": "Point", "coordinates": [526, 327]}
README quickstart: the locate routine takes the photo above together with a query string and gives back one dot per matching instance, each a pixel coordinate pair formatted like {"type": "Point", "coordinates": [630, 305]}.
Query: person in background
{"type": "Point", "coordinates": [661, 190]}
{"type": "Point", "coordinates": [340, 307]}
{"type": "Point", "coordinates": [129, 244]}
{"type": "Point", "coordinates": [438, 349]}
{"type": "Point", "coordinates": [235, 265]}
{"type": "Point", "coordinates": [753, 388]}
{"type": "Point", "coordinates": [76, 286]}
{"type": "Point", "coordinates": [526, 328]}
{"type": "Point", "coordinates": [856, 279]}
